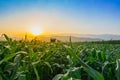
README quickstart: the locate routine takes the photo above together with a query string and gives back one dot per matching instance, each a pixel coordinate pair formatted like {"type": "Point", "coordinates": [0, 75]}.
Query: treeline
{"type": "Point", "coordinates": [107, 42]}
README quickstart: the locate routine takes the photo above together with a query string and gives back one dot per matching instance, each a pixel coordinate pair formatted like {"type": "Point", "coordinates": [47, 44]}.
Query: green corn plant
{"type": "Point", "coordinates": [36, 60]}
{"type": "Point", "coordinates": [118, 69]}
{"type": "Point", "coordinates": [93, 73]}
{"type": "Point", "coordinates": [9, 40]}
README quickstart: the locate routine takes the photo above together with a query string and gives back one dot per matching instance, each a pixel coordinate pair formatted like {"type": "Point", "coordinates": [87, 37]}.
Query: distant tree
{"type": "Point", "coordinates": [52, 39]}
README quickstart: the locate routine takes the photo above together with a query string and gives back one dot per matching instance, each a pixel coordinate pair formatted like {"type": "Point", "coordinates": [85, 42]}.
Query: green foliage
{"type": "Point", "coordinates": [118, 69]}
{"type": "Point", "coordinates": [35, 60]}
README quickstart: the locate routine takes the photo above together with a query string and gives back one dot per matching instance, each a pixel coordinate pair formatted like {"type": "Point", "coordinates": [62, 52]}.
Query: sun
{"type": "Point", "coordinates": [36, 31]}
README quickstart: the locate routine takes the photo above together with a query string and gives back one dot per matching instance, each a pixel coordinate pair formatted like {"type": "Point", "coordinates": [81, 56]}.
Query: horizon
{"type": "Point", "coordinates": [65, 37]}
{"type": "Point", "coordinates": [46, 17]}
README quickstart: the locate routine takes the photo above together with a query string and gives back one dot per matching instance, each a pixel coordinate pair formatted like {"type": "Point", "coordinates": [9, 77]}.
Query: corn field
{"type": "Point", "coordinates": [36, 60]}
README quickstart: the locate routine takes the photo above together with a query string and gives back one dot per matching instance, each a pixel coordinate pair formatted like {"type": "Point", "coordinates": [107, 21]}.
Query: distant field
{"type": "Point", "coordinates": [35, 60]}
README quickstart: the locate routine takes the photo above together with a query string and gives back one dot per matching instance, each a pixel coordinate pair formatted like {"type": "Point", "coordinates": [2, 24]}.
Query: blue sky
{"type": "Point", "coordinates": [61, 16]}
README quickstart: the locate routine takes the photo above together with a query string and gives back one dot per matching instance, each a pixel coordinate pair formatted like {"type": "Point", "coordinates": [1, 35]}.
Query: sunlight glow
{"type": "Point", "coordinates": [36, 31]}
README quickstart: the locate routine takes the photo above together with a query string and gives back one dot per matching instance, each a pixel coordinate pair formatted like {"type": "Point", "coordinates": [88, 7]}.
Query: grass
{"type": "Point", "coordinates": [35, 60]}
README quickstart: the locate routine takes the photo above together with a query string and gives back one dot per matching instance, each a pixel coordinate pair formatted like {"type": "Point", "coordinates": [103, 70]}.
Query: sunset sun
{"type": "Point", "coordinates": [36, 31]}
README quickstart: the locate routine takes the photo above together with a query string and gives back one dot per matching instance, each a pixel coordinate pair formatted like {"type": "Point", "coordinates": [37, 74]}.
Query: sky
{"type": "Point", "coordinates": [60, 16]}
